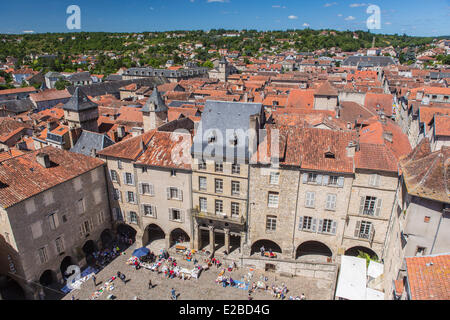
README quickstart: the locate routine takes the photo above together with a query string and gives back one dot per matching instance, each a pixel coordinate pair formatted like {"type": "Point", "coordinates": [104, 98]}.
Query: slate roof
{"type": "Point", "coordinates": [428, 277]}
{"type": "Point", "coordinates": [17, 106]}
{"type": "Point", "coordinates": [23, 177]}
{"type": "Point", "coordinates": [218, 117]}
{"type": "Point", "coordinates": [156, 100]}
{"type": "Point", "coordinates": [112, 87]}
{"type": "Point", "coordinates": [368, 61]}
{"type": "Point", "coordinates": [79, 102]}
{"type": "Point", "coordinates": [89, 141]}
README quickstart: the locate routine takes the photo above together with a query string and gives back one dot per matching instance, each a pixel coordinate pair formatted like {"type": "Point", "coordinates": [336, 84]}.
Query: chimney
{"type": "Point", "coordinates": [388, 136]}
{"type": "Point", "coordinates": [352, 148]}
{"type": "Point", "coordinates": [43, 159]}
{"type": "Point", "coordinates": [253, 134]}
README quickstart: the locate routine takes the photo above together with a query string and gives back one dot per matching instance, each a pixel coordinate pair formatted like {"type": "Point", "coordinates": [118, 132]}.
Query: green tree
{"type": "Point", "coordinates": [62, 84]}
{"type": "Point", "coordinates": [366, 256]}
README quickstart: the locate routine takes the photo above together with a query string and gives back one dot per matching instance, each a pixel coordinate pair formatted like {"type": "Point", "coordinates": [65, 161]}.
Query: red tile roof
{"type": "Point", "coordinates": [429, 277]}
{"type": "Point", "coordinates": [442, 125]}
{"type": "Point", "coordinates": [303, 99]}
{"type": "Point", "coordinates": [23, 177]}
{"type": "Point", "coordinates": [50, 94]}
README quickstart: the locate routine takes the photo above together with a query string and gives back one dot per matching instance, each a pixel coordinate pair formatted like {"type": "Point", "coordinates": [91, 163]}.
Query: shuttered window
{"type": "Point", "coordinates": [271, 223]}
{"type": "Point", "coordinates": [331, 202]}
{"type": "Point", "coordinates": [310, 199]}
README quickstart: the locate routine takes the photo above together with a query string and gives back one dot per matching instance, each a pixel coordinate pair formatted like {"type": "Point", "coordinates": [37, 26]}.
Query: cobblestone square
{"type": "Point", "coordinates": [203, 288]}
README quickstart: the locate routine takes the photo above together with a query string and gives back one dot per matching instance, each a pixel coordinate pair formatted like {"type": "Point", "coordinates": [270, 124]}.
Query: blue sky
{"type": "Point", "coordinates": [413, 17]}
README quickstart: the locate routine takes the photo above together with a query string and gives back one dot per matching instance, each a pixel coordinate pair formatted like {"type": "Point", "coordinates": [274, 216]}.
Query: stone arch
{"type": "Point", "coordinates": [124, 230]}
{"type": "Point", "coordinates": [152, 233]}
{"type": "Point", "coordinates": [268, 244]}
{"type": "Point", "coordinates": [354, 251]}
{"type": "Point", "coordinates": [48, 277]}
{"type": "Point", "coordinates": [106, 238]}
{"type": "Point", "coordinates": [65, 263]}
{"type": "Point", "coordinates": [10, 289]}
{"type": "Point", "coordinates": [315, 251]}
{"type": "Point", "coordinates": [178, 235]}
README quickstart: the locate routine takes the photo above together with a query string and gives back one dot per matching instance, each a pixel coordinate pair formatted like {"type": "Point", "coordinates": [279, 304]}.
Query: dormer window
{"type": "Point", "coordinates": [234, 141]}
{"type": "Point", "coordinates": [330, 155]}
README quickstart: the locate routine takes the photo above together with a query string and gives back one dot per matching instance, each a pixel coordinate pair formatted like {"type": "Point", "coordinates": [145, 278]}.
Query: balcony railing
{"type": "Point", "coordinates": [219, 217]}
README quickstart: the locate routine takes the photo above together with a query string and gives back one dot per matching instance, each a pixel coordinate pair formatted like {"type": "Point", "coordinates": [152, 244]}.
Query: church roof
{"type": "Point", "coordinates": [79, 102]}
{"type": "Point", "coordinates": [155, 103]}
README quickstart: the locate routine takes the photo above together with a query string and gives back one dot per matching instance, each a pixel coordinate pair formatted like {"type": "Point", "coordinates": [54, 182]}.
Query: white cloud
{"type": "Point", "coordinates": [306, 24]}
{"type": "Point", "coordinates": [339, 15]}
{"type": "Point", "coordinates": [356, 5]}
{"type": "Point", "coordinates": [28, 31]}
{"type": "Point", "coordinates": [326, 5]}
{"type": "Point", "coordinates": [388, 23]}
{"type": "Point", "coordinates": [292, 17]}
{"type": "Point", "coordinates": [210, 1]}
{"type": "Point", "coordinates": [350, 18]}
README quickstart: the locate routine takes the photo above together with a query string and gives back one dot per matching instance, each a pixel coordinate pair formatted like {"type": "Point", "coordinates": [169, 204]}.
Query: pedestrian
{"type": "Point", "coordinates": [174, 296]}
{"type": "Point", "coordinates": [250, 298]}
{"type": "Point", "coordinates": [73, 297]}
{"type": "Point", "coordinates": [302, 297]}
{"type": "Point", "coordinates": [123, 277]}
{"type": "Point", "coordinates": [94, 279]}
{"type": "Point", "coordinates": [262, 251]}
{"type": "Point", "coordinates": [150, 285]}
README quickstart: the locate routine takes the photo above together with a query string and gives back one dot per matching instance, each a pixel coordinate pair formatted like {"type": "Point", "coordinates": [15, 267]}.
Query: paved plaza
{"type": "Point", "coordinates": [203, 288]}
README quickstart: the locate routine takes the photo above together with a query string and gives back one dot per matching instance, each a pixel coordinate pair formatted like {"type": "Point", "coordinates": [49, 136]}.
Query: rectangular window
{"type": "Point", "coordinates": [119, 164]}
{"type": "Point", "coordinates": [219, 185]}
{"type": "Point", "coordinates": [333, 180]}
{"type": "Point", "coordinates": [374, 180]}
{"type": "Point", "coordinates": [364, 231]}
{"type": "Point", "coordinates": [273, 199]}
{"type": "Point", "coordinates": [43, 255]}
{"type": "Point", "coordinates": [369, 206]}
{"type": "Point", "coordinates": [130, 197]}
{"type": "Point", "coordinates": [116, 194]}
{"type": "Point", "coordinates": [149, 211]}
{"type": "Point", "coordinates": [175, 215]}
{"type": "Point", "coordinates": [331, 202]}
{"type": "Point", "coordinates": [59, 245]}
{"type": "Point", "coordinates": [173, 173]}
{"type": "Point", "coordinates": [420, 251]}
{"type": "Point", "coordinates": [202, 183]}
{"type": "Point", "coordinates": [235, 188]}
{"type": "Point", "coordinates": [52, 220]}
{"type": "Point", "coordinates": [326, 226]}
{"type": "Point", "coordinates": [133, 217]}
{"type": "Point", "coordinates": [312, 178]}
{"type": "Point", "coordinates": [80, 206]}
{"type": "Point", "coordinates": [147, 189]}
{"type": "Point", "coordinates": [310, 199]}
{"type": "Point", "coordinates": [203, 202]}
{"type": "Point", "coordinates": [101, 217]}
{"type": "Point", "coordinates": [219, 167]}
{"type": "Point", "coordinates": [219, 207]}
{"type": "Point", "coordinates": [307, 223]}
{"type": "Point", "coordinates": [234, 209]}
{"type": "Point", "coordinates": [114, 176]}
{"type": "Point", "coordinates": [173, 193]}
{"type": "Point", "coordinates": [236, 168]}
{"type": "Point", "coordinates": [274, 177]}
{"type": "Point", "coordinates": [202, 165]}
{"type": "Point", "coordinates": [144, 169]}
{"type": "Point", "coordinates": [128, 178]}
{"type": "Point", "coordinates": [271, 223]}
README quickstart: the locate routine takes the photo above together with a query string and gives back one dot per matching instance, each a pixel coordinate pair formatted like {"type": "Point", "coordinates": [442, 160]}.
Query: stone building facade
{"type": "Point", "coordinates": [46, 230]}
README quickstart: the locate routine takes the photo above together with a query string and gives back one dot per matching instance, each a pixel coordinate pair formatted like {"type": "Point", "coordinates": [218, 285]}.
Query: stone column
{"type": "Point", "coordinates": [212, 239]}
{"type": "Point", "coordinates": [167, 241]}
{"type": "Point", "coordinates": [242, 243]}
{"type": "Point", "coordinates": [227, 240]}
